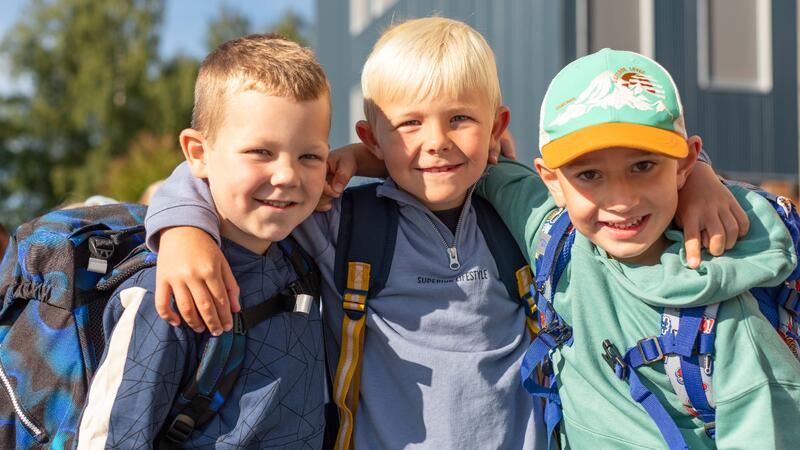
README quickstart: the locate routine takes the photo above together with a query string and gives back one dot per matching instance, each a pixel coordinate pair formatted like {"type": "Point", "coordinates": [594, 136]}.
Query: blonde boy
{"type": "Point", "coordinates": [442, 347]}
{"type": "Point", "coordinates": [262, 112]}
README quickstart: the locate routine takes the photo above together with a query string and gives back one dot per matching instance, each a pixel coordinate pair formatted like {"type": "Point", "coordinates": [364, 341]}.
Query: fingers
{"type": "Point", "coordinates": [507, 145]}
{"type": "Point", "coordinates": [494, 154]}
{"type": "Point", "coordinates": [731, 226]}
{"type": "Point", "coordinates": [692, 241]}
{"type": "Point", "coordinates": [345, 170]}
{"type": "Point", "coordinates": [219, 294]}
{"type": "Point", "coordinates": [206, 307]}
{"type": "Point", "coordinates": [185, 304]}
{"type": "Point", "coordinates": [232, 287]}
{"type": "Point", "coordinates": [162, 299]}
{"type": "Point", "coordinates": [742, 220]}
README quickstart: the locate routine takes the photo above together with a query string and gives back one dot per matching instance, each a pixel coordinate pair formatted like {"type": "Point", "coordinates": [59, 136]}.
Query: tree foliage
{"type": "Point", "coordinates": [103, 109]}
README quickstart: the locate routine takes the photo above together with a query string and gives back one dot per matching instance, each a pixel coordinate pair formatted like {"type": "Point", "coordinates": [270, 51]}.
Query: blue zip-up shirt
{"type": "Point", "coordinates": [277, 401]}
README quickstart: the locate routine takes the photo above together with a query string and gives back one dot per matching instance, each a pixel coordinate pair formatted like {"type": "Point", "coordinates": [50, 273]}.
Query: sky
{"type": "Point", "coordinates": [184, 22]}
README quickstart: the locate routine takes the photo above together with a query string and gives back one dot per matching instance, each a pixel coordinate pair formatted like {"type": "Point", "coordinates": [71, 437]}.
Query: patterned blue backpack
{"type": "Point", "coordinates": [56, 277]}
{"type": "Point", "coordinates": [685, 345]}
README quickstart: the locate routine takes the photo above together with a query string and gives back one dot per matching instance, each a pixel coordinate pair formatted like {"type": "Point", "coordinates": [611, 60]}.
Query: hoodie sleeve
{"type": "Point", "coordinates": [183, 200]}
{"type": "Point", "coordinates": [521, 199]}
{"type": "Point", "coordinates": [137, 381]}
{"type": "Point", "coordinates": [756, 383]}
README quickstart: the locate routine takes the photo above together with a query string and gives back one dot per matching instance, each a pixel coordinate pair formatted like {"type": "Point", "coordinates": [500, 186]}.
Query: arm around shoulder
{"type": "Point", "coordinates": [519, 196]}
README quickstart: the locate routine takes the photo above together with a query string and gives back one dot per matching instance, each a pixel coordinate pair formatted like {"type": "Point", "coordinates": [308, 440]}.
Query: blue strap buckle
{"type": "Point", "coordinates": [614, 359]}
{"type": "Point", "coordinates": [657, 346]}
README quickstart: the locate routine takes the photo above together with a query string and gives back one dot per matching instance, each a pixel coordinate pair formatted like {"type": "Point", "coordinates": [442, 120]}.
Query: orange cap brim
{"type": "Point", "coordinates": [608, 135]}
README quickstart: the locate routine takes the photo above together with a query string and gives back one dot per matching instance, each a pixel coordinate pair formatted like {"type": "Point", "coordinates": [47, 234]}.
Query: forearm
{"type": "Point", "coordinates": [183, 200]}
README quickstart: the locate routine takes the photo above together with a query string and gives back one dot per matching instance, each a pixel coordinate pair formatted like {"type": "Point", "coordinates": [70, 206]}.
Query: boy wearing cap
{"type": "Point", "coordinates": [614, 154]}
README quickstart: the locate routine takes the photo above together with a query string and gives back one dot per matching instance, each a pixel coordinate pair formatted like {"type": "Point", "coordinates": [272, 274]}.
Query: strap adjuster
{"type": "Point", "coordinates": [645, 359]}
{"type": "Point", "coordinates": [180, 429]}
{"type": "Point", "coordinates": [710, 428]}
{"type": "Point", "coordinates": [559, 331]}
{"type": "Point", "coordinates": [614, 359]}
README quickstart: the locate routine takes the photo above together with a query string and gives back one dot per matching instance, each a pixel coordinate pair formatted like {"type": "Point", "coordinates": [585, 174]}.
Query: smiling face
{"type": "Point", "coordinates": [621, 199]}
{"type": "Point", "coordinates": [266, 165]}
{"type": "Point", "coordinates": [437, 148]}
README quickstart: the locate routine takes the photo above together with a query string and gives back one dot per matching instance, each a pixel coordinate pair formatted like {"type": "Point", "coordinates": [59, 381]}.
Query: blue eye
{"type": "Point", "coordinates": [460, 118]}
{"type": "Point", "coordinates": [410, 123]}
{"type": "Point", "coordinates": [311, 156]}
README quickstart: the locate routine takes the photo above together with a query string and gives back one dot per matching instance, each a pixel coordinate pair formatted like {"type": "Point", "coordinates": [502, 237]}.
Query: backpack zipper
{"type": "Point", "coordinates": [38, 433]}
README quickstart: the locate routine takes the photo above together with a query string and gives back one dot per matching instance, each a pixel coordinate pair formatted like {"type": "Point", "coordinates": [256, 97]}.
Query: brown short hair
{"type": "Point", "coordinates": [268, 63]}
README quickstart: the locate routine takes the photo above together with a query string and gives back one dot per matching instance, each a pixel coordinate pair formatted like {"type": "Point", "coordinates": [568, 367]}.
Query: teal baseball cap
{"type": "Point", "coordinates": [611, 98]}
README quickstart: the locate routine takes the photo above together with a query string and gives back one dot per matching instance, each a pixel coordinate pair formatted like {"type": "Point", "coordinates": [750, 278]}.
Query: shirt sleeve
{"type": "Point", "coordinates": [520, 198]}
{"type": "Point", "coordinates": [141, 371]}
{"type": "Point", "coordinates": [183, 200]}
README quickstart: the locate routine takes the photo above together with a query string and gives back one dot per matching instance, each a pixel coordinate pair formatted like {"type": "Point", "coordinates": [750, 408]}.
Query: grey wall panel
{"type": "Point", "coordinates": [526, 35]}
{"type": "Point", "coordinates": [748, 134]}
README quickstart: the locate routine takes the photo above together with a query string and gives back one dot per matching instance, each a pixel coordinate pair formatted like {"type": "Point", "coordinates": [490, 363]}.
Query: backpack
{"type": "Point", "coordinates": [365, 248]}
{"type": "Point", "coordinates": [55, 279]}
{"type": "Point", "coordinates": [685, 345]}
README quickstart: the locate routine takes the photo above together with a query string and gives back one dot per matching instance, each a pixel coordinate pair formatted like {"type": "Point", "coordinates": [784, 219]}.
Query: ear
{"type": "Point", "coordinates": [366, 134]}
{"type": "Point", "coordinates": [685, 165]}
{"type": "Point", "coordinates": [550, 178]}
{"type": "Point", "coordinates": [501, 121]}
{"type": "Point", "coordinates": [192, 144]}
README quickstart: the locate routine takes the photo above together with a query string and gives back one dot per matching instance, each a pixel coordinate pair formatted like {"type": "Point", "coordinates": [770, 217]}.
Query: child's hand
{"type": "Point", "coordinates": [342, 165]}
{"type": "Point", "coordinates": [507, 148]}
{"type": "Point", "coordinates": [709, 214]}
{"type": "Point", "coordinates": [191, 267]}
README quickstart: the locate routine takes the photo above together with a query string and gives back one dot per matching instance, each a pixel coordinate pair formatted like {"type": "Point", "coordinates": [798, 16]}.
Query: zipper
{"type": "Point", "coordinates": [452, 251]}
{"type": "Point", "coordinates": [37, 432]}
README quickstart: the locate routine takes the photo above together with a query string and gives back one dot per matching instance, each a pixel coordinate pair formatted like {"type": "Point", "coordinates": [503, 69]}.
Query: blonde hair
{"type": "Point", "coordinates": [267, 63]}
{"type": "Point", "coordinates": [428, 57]}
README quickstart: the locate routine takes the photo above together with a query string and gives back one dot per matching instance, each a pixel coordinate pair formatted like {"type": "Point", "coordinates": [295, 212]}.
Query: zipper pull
{"type": "Point", "coordinates": [453, 254]}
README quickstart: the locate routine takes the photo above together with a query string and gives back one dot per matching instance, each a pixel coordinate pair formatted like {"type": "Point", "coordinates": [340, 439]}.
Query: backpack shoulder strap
{"type": "Point", "coordinates": [222, 357]}
{"type": "Point", "coordinates": [364, 252]}
{"type": "Point", "coordinates": [515, 272]}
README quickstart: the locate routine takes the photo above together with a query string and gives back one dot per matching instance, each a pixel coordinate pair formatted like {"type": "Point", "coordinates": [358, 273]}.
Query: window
{"type": "Point", "coordinates": [735, 44]}
{"type": "Point", "coordinates": [617, 24]}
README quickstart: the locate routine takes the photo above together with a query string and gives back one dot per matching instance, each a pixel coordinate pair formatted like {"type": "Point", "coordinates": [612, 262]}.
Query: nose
{"type": "Point", "coordinates": [436, 137]}
{"type": "Point", "coordinates": [621, 196]}
{"type": "Point", "coordinates": [285, 173]}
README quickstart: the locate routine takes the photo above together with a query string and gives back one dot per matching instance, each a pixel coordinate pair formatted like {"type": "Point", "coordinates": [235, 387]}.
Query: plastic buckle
{"type": "Point", "coordinates": [710, 428]}
{"type": "Point", "coordinates": [658, 357]}
{"type": "Point", "coordinates": [559, 332]}
{"type": "Point", "coordinates": [180, 429]}
{"type": "Point", "coordinates": [614, 359]}
{"type": "Point", "coordinates": [238, 324]}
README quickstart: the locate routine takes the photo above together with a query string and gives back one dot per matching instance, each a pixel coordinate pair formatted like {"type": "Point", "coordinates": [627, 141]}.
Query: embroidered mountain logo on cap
{"type": "Point", "coordinates": [607, 90]}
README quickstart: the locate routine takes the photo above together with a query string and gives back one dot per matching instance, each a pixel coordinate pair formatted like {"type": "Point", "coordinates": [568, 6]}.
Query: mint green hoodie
{"type": "Point", "coordinates": [756, 378]}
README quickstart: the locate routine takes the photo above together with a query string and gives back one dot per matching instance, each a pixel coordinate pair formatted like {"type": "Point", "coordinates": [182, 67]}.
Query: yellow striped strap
{"type": "Point", "coordinates": [347, 381]}
{"type": "Point", "coordinates": [524, 282]}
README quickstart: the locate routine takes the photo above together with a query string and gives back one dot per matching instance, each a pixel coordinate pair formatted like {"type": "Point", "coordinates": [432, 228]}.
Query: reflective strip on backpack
{"type": "Point", "coordinates": [524, 281]}
{"type": "Point", "coordinates": [348, 373]}
{"type": "Point", "coordinates": [670, 323]}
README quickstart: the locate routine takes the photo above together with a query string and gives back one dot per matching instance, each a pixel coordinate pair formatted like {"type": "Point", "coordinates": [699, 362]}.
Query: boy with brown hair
{"type": "Point", "coordinates": [262, 112]}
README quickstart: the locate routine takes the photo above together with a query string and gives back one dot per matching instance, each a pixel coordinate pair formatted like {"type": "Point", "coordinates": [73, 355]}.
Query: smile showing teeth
{"type": "Point", "coordinates": [441, 169]}
{"type": "Point", "coordinates": [276, 204]}
{"type": "Point", "coordinates": [625, 225]}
